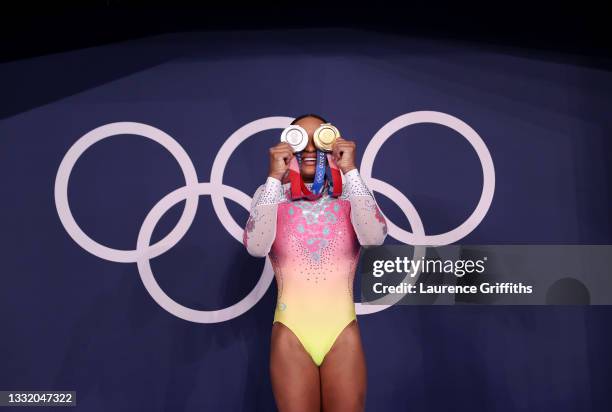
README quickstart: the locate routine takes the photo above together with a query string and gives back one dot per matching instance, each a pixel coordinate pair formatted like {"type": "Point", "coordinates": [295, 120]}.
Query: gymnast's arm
{"type": "Point", "coordinates": [260, 229]}
{"type": "Point", "coordinates": [368, 222]}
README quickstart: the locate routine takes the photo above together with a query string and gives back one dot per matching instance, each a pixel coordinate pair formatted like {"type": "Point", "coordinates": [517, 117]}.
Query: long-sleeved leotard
{"type": "Point", "coordinates": [314, 247]}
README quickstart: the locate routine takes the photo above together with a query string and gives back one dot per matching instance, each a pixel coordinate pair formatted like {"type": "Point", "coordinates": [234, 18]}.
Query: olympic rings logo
{"type": "Point", "coordinates": [218, 191]}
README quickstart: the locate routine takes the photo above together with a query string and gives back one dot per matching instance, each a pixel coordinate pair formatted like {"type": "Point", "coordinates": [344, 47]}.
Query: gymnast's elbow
{"type": "Point", "coordinates": [257, 251]}
{"type": "Point", "coordinates": [254, 248]}
{"type": "Point", "coordinates": [372, 239]}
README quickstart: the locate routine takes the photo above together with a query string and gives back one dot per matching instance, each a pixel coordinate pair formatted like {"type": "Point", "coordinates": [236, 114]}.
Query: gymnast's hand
{"type": "Point", "coordinates": [343, 152]}
{"type": "Point", "coordinates": [280, 155]}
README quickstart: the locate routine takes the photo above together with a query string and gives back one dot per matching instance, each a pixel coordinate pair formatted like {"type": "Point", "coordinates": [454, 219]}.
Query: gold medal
{"type": "Point", "coordinates": [325, 136]}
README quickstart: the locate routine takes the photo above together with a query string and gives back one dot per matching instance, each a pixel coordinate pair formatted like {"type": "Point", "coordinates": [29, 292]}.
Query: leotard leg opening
{"type": "Point", "coordinates": [354, 320]}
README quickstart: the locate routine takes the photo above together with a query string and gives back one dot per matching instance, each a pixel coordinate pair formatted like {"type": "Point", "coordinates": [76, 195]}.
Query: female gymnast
{"type": "Point", "coordinates": [316, 358]}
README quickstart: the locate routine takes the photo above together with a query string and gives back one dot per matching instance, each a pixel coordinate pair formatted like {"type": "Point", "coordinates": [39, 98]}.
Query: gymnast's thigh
{"type": "Point", "coordinates": [343, 373]}
{"type": "Point", "coordinates": [294, 375]}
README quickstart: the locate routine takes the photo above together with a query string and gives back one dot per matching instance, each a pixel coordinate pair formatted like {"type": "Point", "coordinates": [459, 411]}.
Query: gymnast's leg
{"type": "Point", "coordinates": [343, 373]}
{"type": "Point", "coordinates": [295, 377]}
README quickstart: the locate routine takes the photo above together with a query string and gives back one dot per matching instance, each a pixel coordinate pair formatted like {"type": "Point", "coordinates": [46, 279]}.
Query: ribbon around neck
{"type": "Point", "coordinates": [326, 172]}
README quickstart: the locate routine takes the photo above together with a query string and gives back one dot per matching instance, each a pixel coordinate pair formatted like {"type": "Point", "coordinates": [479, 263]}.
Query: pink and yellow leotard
{"type": "Point", "coordinates": [314, 247]}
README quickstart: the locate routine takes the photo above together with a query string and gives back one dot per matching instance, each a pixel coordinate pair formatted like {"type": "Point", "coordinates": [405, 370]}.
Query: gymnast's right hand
{"type": "Point", "coordinates": [280, 155]}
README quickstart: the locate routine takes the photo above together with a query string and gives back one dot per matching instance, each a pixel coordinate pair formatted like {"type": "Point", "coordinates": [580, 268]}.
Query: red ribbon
{"type": "Point", "coordinates": [299, 188]}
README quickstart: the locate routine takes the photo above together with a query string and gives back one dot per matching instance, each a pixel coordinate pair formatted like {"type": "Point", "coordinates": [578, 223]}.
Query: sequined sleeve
{"type": "Point", "coordinates": [260, 229]}
{"type": "Point", "coordinates": [368, 222]}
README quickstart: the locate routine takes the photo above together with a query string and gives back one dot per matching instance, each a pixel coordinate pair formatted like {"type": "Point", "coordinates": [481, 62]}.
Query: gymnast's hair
{"type": "Point", "coordinates": [309, 115]}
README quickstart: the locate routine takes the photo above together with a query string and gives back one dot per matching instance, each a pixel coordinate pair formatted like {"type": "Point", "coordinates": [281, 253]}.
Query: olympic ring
{"type": "Point", "coordinates": [219, 191]}
{"type": "Point", "coordinates": [226, 150]}
{"type": "Point", "coordinates": [88, 140]}
{"type": "Point", "coordinates": [144, 263]}
{"type": "Point", "coordinates": [488, 171]}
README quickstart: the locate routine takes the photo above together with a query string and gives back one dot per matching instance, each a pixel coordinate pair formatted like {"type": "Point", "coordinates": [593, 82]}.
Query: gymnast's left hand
{"type": "Point", "coordinates": [343, 152]}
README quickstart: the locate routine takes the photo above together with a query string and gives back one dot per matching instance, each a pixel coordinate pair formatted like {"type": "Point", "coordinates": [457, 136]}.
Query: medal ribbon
{"type": "Point", "coordinates": [326, 170]}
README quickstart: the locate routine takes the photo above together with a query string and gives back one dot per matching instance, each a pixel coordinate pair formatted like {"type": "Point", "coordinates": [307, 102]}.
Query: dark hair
{"type": "Point", "coordinates": [309, 115]}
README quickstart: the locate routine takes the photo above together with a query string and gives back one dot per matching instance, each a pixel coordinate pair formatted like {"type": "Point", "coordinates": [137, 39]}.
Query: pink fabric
{"type": "Point", "coordinates": [314, 227]}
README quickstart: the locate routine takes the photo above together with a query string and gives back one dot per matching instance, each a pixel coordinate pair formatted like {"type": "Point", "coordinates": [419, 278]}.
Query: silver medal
{"type": "Point", "coordinates": [296, 136]}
